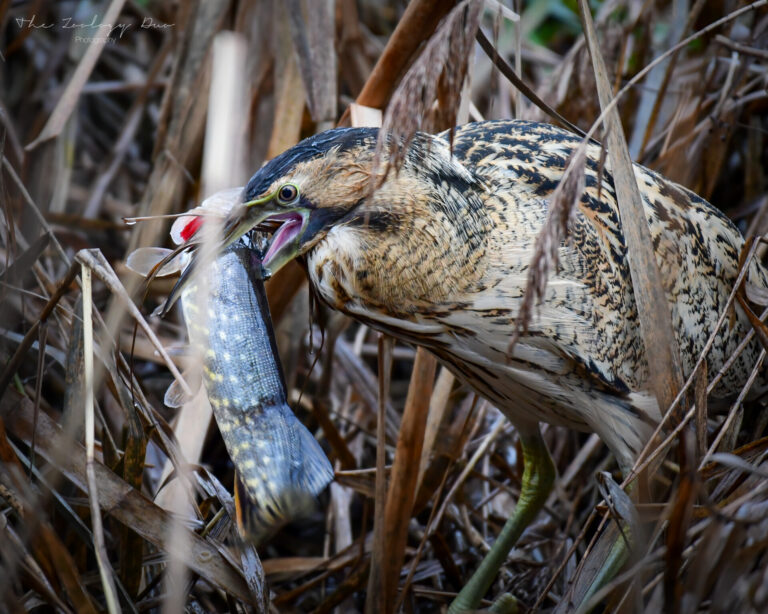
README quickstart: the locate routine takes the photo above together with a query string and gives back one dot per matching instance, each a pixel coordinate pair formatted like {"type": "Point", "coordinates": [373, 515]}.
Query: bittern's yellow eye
{"type": "Point", "coordinates": [287, 194]}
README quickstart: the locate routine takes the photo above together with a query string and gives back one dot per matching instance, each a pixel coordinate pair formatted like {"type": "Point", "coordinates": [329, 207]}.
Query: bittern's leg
{"type": "Point", "coordinates": [538, 475]}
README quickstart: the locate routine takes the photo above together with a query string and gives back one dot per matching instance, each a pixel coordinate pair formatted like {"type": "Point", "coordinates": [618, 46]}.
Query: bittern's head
{"type": "Point", "coordinates": [303, 192]}
{"type": "Point", "coordinates": [326, 181]}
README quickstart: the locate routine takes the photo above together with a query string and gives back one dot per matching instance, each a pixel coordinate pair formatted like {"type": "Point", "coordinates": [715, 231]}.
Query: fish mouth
{"type": "Point", "coordinates": [286, 228]}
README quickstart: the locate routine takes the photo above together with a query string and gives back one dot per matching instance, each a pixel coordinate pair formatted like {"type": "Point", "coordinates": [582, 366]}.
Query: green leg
{"type": "Point", "coordinates": [538, 475]}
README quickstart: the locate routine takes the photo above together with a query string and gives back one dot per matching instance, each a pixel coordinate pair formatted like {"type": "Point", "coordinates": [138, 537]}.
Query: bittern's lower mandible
{"type": "Point", "coordinates": [438, 256]}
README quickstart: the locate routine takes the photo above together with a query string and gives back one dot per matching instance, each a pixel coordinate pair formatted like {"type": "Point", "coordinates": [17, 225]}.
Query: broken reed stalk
{"type": "Point", "coordinates": [102, 559]}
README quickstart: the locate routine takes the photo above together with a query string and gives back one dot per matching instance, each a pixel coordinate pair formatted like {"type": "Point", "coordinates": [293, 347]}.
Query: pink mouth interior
{"type": "Point", "coordinates": [287, 232]}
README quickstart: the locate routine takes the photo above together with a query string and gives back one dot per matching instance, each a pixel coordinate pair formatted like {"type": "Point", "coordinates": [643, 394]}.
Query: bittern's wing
{"type": "Point", "coordinates": [696, 247]}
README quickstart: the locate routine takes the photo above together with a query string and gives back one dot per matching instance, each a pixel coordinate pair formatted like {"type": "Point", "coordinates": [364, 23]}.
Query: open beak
{"type": "Point", "coordinates": [285, 222]}
{"type": "Point", "coordinates": [264, 214]}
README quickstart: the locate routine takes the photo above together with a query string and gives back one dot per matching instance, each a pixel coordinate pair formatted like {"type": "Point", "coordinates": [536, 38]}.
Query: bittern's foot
{"type": "Point", "coordinates": [538, 475]}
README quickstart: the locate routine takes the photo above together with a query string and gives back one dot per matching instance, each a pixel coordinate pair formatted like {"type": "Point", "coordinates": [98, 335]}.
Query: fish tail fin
{"type": "Point", "coordinates": [281, 478]}
{"type": "Point", "coordinates": [315, 471]}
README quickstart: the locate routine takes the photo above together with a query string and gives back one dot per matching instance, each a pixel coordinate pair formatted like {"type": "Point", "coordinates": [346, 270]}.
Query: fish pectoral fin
{"type": "Point", "coordinates": [175, 396]}
{"type": "Point", "coordinates": [144, 260]}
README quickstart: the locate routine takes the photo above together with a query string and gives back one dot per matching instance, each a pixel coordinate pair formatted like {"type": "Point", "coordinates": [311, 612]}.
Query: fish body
{"type": "Point", "coordinates": [281, 468]}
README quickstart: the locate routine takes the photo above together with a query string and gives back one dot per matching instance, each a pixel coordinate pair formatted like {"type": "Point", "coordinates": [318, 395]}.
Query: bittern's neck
{"type": "Point", "coordinates": [418, 242]}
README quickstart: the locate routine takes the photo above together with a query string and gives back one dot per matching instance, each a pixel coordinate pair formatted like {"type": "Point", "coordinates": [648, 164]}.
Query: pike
{"type": "Point", "coordinates": [280, 467]}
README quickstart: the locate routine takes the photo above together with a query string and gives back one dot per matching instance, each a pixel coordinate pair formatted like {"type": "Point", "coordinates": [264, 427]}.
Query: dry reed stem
{"type": "Point", "coordinates": [105, 569]}
{"type": "Point", "coordinates": [376, 587]}
{"type": "Point", "coordinates": [403, 482]}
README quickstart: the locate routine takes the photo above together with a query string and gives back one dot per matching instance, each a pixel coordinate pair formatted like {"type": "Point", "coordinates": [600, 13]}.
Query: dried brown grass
{"type": "Point", "coordinates": [132, 145]}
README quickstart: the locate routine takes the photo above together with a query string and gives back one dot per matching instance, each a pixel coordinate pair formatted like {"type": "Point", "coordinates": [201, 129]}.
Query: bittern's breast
{"type": "Point", "coordinates": [421, 240]}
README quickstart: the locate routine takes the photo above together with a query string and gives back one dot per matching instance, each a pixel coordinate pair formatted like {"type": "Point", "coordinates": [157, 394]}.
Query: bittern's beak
{"type": "Point", "coordinates": [287, 220]}
{"type": "Point", "coordinates": [265, 213]}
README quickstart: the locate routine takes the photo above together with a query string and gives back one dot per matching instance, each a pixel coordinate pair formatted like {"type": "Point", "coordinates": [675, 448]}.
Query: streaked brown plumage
{"type": "Point", "coordinates": [438, 256]}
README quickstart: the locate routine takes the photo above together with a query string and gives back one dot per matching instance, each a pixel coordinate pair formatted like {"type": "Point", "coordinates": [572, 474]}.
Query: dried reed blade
{"type": "Point", "coordinates": [652, 303]}
{"type": "Point", "coordinates": [376, 588]}
{"type": "Point", "coordinates": [95, 261]}
{"type": "Point", "coordinates": [13, 364]}
{"type": "Point", "coordinates": [680, 516]}
{"type": "Point", "coordinates": [14, 273]}
{"type": "Point", "coordinates": [125, 504]}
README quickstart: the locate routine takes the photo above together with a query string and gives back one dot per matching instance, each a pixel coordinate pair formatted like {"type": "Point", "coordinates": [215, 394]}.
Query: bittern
{"type": "Point", "coordinates": [437, 255]}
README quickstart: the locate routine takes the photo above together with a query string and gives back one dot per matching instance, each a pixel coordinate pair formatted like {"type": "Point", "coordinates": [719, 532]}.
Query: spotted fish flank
{"type": "Point", "coordinates": [280, 466]}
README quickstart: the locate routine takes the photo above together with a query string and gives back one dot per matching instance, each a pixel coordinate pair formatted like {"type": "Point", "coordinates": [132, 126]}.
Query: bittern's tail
{"type": "Point", "coordinates": [280, 479]}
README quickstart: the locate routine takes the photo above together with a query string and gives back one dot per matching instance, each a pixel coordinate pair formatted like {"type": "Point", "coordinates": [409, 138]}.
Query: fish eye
{"type": "Point", "coordinates": [287, 194]}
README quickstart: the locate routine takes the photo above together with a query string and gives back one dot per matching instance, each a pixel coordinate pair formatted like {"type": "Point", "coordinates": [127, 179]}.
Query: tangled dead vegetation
{"type": "Point", "coordinates": [106, 503]}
